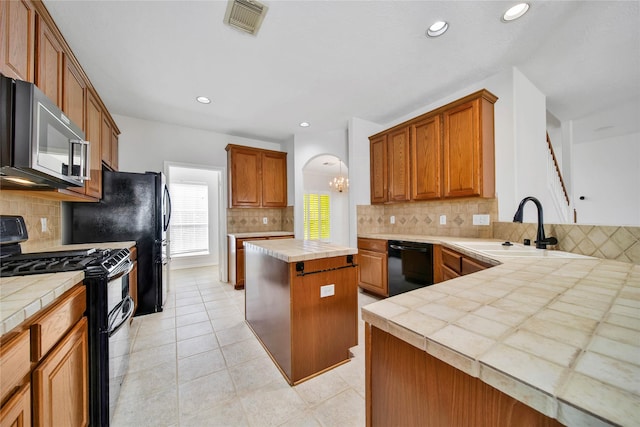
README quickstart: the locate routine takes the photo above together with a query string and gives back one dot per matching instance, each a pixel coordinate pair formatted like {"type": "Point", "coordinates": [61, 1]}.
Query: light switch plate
{"type": "Point", "coordinates": [265, 220]}
{"type": "Point", "coordinates": [392, 219]}
{"type": "Point", "coordinates": [327, 290]}
{"type": "Point", "coordinates": [443, 219]}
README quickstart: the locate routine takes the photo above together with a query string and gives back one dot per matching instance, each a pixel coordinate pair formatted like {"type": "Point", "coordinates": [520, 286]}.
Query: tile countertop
{"type": "Point", "coordinates": [260, 234]}
{"type": "Point", "coordinates": [559, 334]}
{"type": "Point", "coordinates": [294, 250]}
{"type": "Point", "coordinates": [23, 296]}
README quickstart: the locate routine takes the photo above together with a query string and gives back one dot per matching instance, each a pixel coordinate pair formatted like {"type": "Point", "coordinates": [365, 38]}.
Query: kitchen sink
{"type": "Point", "coordinates": [496, 249]}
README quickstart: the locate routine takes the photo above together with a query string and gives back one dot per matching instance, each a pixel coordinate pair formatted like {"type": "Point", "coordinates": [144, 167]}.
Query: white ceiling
{"type": "Point", "coordinates": [326, 61]}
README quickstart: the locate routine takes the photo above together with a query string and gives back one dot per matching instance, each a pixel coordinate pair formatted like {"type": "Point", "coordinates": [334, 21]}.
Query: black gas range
{"type": "Point", "coordinates": [109, 306]}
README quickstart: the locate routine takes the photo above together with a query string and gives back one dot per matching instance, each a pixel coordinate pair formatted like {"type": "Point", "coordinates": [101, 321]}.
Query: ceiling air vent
{"type": "Point", "coordinates": [245, 15]}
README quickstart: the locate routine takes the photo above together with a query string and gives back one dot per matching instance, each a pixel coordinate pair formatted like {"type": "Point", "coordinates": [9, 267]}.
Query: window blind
{"type": "Point", "coordinates": [189, 219]}
{"type": "Point", "coordinates": [317, 216]}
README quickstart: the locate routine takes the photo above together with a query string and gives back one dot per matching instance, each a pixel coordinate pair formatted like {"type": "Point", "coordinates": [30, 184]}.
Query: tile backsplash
{"type": "Point", "coordinates": [32, 209]}
{"type": "Point", "coordinates": [424, 218]}
{"type": "Point", "coordinates": [249, 220]}
{"type": "Point", "coordinates": [621, 243]}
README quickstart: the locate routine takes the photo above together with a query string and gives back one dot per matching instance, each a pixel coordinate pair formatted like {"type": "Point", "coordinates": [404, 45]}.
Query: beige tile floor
{"type": "Point", "coordinates": [198, 364]}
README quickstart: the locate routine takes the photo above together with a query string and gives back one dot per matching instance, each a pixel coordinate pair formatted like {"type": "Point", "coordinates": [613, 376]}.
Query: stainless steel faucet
{"type": "Point", "coordinates": [541, 240]}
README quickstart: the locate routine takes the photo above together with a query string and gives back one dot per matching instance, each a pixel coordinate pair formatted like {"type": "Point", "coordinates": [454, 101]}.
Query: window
{"type": "Point", "coordinates": [317, 217]}
{"type": "Point", "coordinates": [189, 219]}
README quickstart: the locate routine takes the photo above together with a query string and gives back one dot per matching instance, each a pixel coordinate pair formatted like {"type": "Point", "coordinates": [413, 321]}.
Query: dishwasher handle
{"type": "Point", "coordinates": [409, 248]}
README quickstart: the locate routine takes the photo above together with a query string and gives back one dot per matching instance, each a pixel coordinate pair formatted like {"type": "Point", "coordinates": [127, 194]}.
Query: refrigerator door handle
{"type": "Point", "coordinates": [168, 201]}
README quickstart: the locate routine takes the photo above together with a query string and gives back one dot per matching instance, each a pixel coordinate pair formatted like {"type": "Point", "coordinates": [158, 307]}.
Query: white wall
{"type": "Point", "coordinates": [145, 145]}
{"type": "Point", "coordinates": [308, 145]}
{"type": "Point", "coordinates": [607, 173]}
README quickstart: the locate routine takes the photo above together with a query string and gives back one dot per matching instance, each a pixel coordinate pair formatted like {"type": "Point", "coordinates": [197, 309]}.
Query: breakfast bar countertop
{"type": "Point", "coordinates": [294, 250]}
{"type": "Point", "coordinates": [561, 334]}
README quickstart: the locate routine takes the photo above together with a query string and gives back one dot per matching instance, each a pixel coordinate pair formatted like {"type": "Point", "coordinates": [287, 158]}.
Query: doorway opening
{"type": "Point", "coordinates": [195, 227]}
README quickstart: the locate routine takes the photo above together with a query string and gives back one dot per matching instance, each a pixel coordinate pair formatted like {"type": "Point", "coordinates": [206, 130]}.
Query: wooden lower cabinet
{"type": "Point", "coordinates": [236, 257]}
{"type": "Point", "coordinates": [406, 386]}
{"type": "Point", "coordinates": [44, 365]}
{"type": "Point", "coordinates": [449, 264]}
{"type": "Point", "coordinates": [372, 266]}
{"type": "Point", "coordinates": [17, 411]}
{"type": "Point", "coordinates": [61, 383]}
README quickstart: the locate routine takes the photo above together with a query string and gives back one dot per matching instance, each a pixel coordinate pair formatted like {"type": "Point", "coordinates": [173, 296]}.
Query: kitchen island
{"type": "Point", "coordinates": [531, 341]}
{"type": "Point", "coordinates": [301, 301]}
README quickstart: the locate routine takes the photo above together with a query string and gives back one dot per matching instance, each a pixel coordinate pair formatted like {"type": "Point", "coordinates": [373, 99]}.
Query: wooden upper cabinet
{"type": "Point", "coordinates": [426, 159]}
{"type": "Point", "coordinates": [17, 39]}
{"type": "Point", "coordinates": [379, 168]}
{"type": "Point", "coordinates": [398, 158]}
{"type": "Point", "coordinates": [244, 177]}
{"type": "Point", "coordinates": [93, 187]}
{"type": "Point", "coordinates": [274, 179]}
{"type": "Point", "coordinates": [74, 94]}
{"type": "Point", "coordinates": [114, 149]}
{"type": "Point", "coordinates": [257, 178]}
{"type": "Point", "coordinates": [445, 153]}
{"type": "Point", "coordinates": [468, 146]}
{"type": "Point", "coordinates": [50, 58]}
{"type": "Point", "coordinates": [105, 139]}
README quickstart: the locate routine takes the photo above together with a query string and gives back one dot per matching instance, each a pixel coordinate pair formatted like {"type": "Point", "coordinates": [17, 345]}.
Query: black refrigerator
{"type": "Point", "coordinates": [134, 206]}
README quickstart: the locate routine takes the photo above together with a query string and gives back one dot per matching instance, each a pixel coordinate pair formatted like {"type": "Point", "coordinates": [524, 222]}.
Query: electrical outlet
{"type": "Point", "coordinates": [43, 224]}
{"type": "Point", "coordinates": [265, 221]}
{"type": "Point", "coordinates": [443, 219]}
{"type": "Point", "coordinates": [481, 220]}
{"type": "Point", "coordinates": [327, 290]}
{"type": "Point", "coordinates": [392, 219]}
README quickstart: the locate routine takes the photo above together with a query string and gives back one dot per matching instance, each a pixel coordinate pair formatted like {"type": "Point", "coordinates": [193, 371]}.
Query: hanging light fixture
{"type": "Point", "coordinates": [339, 183]}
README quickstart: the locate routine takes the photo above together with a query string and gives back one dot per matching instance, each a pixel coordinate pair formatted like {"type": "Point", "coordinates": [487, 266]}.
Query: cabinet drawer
{"type": "Point", "coordinates": [451, 259]}
{"type": "Point", "coordinates": [375, 245]}
{"type": "Point", "coordinates": [14, 363]}
{"type": "Point", "coordinates": [54, 323]}
{"type": "Point", "coordinates": [471, 266]}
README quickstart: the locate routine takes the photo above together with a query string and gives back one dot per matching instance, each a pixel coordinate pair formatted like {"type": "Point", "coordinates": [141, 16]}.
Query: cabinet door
{"type": "Point", "coordinates": [49, 63]}
{"type": "Point", "coordinates": [17, 411]}
{"type": "Point", "coordinates": [462, 151]}
{"type": "Point", "coordinates": [105, 139]}
{"type": "Point", "coordinates": [274, 179]}
{"type": "Point", "coordinates": [245, 172]}
{"type": "Point", "coordinates": [378, 153]}
{"type": "Point", "coordinates": [60, 382]}
{"type": "Point", "coordinates": [398, 155]}
{"type": "Point", "coordinates": [372, 272]}
{"type": "Point", "coordinates": [17, 39]}
{"type": "Point", "coordinates": [93, 187]}
{"type": "Point", "coordinates": [114, 150]}
{"type": "Point", "coordinates": [73, 94]}
{"type": "Point", "coordinates": [426, 159]}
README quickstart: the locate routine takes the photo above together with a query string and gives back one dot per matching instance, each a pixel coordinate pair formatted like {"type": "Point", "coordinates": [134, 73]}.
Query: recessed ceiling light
{"type": "Point", "coordinates": [515, 12]}
{"type": "Point", "coordinates": [203, 100]}
{"type": "Point", "coordinates": [304, 125]}
{"type": "Point", "coordinates": [437, 29]}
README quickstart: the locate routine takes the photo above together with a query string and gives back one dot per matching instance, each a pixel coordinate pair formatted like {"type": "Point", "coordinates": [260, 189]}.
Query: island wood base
{"type": "Point", "coordinates": [405, 386]}
{"type": "Point", "coordinates": [305, 334]}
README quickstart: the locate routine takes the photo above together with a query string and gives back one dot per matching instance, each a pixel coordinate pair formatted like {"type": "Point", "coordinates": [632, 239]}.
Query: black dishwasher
{"type": "Point", "coordinates": [410, 266]}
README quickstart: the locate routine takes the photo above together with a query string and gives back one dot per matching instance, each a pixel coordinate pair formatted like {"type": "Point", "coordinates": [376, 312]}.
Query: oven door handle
{"type": "Point", "coordinates": [409, 248]}
{"type": "Point", "coordinates": [114, 314]}
{"type": "Point", "coordinates": [125, 268]}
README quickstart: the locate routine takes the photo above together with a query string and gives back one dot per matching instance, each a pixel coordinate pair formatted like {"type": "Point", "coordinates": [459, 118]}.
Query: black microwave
{"type": "Point", "coordinates": [40, 147]}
